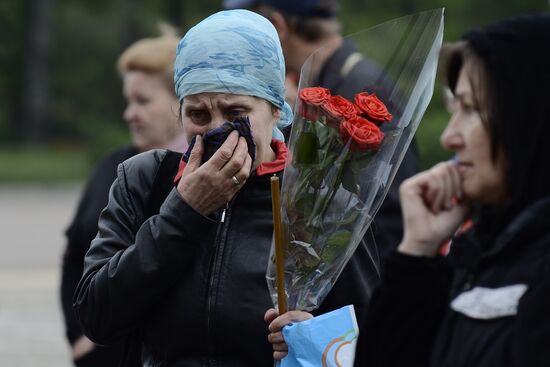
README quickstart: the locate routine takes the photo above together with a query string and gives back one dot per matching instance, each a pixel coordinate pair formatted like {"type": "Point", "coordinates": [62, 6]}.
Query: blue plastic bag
{"type": "Point", "coordinates": [325, 340]}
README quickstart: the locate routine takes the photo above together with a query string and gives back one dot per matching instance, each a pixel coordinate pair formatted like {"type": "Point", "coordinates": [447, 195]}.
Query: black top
{"type": "Point", "coordinates": [80, 233]}
{"type": "Point", "coordinates": [486, 305]}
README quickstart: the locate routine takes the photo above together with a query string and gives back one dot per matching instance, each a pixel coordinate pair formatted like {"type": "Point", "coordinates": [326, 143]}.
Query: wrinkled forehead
{"type": "Point", "coordinates": [221, 99]}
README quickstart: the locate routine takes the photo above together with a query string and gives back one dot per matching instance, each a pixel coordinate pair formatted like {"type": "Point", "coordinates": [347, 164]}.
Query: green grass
{"type": "Point", "coordinates": [25, 165]}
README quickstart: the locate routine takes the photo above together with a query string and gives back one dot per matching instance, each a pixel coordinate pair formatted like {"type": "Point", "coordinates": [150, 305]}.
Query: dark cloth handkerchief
{"type": "Point", "coordinates": [213, 139]}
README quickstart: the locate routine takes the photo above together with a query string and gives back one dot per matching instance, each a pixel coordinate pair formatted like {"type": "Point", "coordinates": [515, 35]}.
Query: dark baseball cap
{"type": "Point", "coordinates": [308, 8]}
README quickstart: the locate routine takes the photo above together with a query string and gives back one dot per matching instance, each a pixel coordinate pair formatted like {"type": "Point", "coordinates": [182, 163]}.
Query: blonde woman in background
{"type": "Point", "coordinates": [146, 69]}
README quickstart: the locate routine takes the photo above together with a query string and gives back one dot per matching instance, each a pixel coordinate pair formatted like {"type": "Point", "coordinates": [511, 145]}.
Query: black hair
{"type": "Point", "coordinates": [515, 54]}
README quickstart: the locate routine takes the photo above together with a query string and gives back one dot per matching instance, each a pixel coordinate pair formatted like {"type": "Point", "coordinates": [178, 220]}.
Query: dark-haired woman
{"type": "Point", "coordinates": [488, 302]}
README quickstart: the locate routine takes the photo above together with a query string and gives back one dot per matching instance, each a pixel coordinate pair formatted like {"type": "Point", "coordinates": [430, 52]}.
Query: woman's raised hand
{"type": "Point", "coordinates": [210, 186]}
{"type": "Point", "coordinates": [276, 324]}
{"type": "Point", "coordinates": [433, 209]}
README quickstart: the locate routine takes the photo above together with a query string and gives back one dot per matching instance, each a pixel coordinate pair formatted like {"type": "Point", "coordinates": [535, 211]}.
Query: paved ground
{"type": "Point", "coordinates": [32, 220]}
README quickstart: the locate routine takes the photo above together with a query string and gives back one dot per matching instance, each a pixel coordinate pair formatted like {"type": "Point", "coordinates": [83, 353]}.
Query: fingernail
{"type": "Point", "coordinates": [198, 140]}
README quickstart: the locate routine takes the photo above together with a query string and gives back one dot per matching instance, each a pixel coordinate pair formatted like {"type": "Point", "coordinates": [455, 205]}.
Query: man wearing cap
{"type": "Point", "coordinates": [304, 27]}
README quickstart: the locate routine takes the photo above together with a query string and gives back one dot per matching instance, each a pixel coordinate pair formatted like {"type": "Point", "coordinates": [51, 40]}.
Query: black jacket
{"type": "Point", "coordinates": [80, 233]}
{"type": "Point", "coordinates": [411, 321]}
{"type": "Point", "coordinates": [194, 287]}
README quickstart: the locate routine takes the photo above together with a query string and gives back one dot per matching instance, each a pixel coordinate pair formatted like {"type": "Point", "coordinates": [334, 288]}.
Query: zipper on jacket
{"type": "Point", "coordinates": [215, 261]}
{"type": "Point", "coordinates": [222, 217]}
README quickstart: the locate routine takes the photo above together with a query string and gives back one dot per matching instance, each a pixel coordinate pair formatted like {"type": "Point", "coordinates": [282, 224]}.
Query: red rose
{"type": "Point", "coordinates": [338, 108]}
{"type": "Point", "coordinates": [310, 101]}
{"type": "Point", "coordinates": [315, 96]}
{"type": "Point", "coordinates": [364, 134]}
{"type": "Point", "coordinates": [372, 108]}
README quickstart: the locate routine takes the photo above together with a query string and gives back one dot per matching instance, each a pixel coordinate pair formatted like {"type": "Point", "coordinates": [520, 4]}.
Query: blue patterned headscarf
{"type": "Point", "coordinates": [235, 52]}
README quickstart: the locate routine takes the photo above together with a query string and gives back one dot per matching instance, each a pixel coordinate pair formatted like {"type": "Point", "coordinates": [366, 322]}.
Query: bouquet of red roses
{"type": "Point", "coordinates": [344, 153]}
{"type": "Point", "coordinates": [337, 136]}
{"type": "Point", "coordinates": [336, 141]}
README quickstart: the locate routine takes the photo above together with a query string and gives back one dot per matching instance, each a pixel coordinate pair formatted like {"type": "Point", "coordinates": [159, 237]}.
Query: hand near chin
{"type": "Point", "coordinates": [433, 209]}
{"type": "Point", "coordinates": [210, 186]}
{"type": "Point", "coordinates": [275, 326]}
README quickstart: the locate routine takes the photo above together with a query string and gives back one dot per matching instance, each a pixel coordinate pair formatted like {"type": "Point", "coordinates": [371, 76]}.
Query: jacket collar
{"type": "Point", "coordinates": [532, 221]}
{"type": "Point", "coordinates": [525, 229]}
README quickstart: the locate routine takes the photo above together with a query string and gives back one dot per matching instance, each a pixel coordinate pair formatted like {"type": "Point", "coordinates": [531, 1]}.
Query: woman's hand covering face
{"type": "Point", "coordinates": [210, 186]}
{"type": "Point", "coordinates": [204, 112]}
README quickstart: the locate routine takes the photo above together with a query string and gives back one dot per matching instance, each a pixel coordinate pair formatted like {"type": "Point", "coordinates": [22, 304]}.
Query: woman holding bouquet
{"type": "Point", "coordinates": [180, 258]}
{"type": "Point", "coordinates": [487, 302]}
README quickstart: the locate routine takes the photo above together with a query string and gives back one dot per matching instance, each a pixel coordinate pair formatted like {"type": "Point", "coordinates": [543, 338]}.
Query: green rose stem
{"type": "Point", "coordinates": [336, 184]}
{"type": "Point", "coordinates": [307, 145]}
{"type": "Point", "coordinates": [279, 251]}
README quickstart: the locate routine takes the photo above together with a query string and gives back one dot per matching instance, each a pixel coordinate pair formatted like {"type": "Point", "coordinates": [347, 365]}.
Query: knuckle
{"type": "Point", "coordinates": [225, 154]}
{"type": "Point", "coordinates": [405, 185]}
{"type": "Point", "coordinates": [196, 151]}
{"type": "Point", "coordinates": [194, 155]}
{"type": "Point", "coordinates": [201, 175]}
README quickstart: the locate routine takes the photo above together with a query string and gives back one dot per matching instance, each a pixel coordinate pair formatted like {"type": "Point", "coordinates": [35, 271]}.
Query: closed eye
{"type": "Point", "coordinates": [142, 100]}
{"type": "Point", "coordinates": [462, 106]}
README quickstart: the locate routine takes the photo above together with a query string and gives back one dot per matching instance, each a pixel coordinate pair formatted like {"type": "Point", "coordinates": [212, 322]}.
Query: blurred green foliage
{"type": "Point", "coordinates": [85, 104]}
{"type": "Point", "coordinates": [25, 164]}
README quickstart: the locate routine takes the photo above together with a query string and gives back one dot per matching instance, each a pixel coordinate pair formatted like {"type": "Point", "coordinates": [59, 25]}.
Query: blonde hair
{"type": "Point", "coordinates": [152, 55]}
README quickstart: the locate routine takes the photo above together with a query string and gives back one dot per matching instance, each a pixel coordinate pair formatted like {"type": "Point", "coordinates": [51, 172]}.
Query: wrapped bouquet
{"type": "Point", "coordinates": [344, 153]}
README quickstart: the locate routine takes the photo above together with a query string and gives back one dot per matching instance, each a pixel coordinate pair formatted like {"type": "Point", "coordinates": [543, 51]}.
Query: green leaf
{"type": "Point", "coordinates": [348, 179]}
{"type": "Point", "coordinates": [336, 245]}
{"type": "Point", "coordinates": [304, 204]}
{"type": "Point", "coordinates": [306, 148]}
